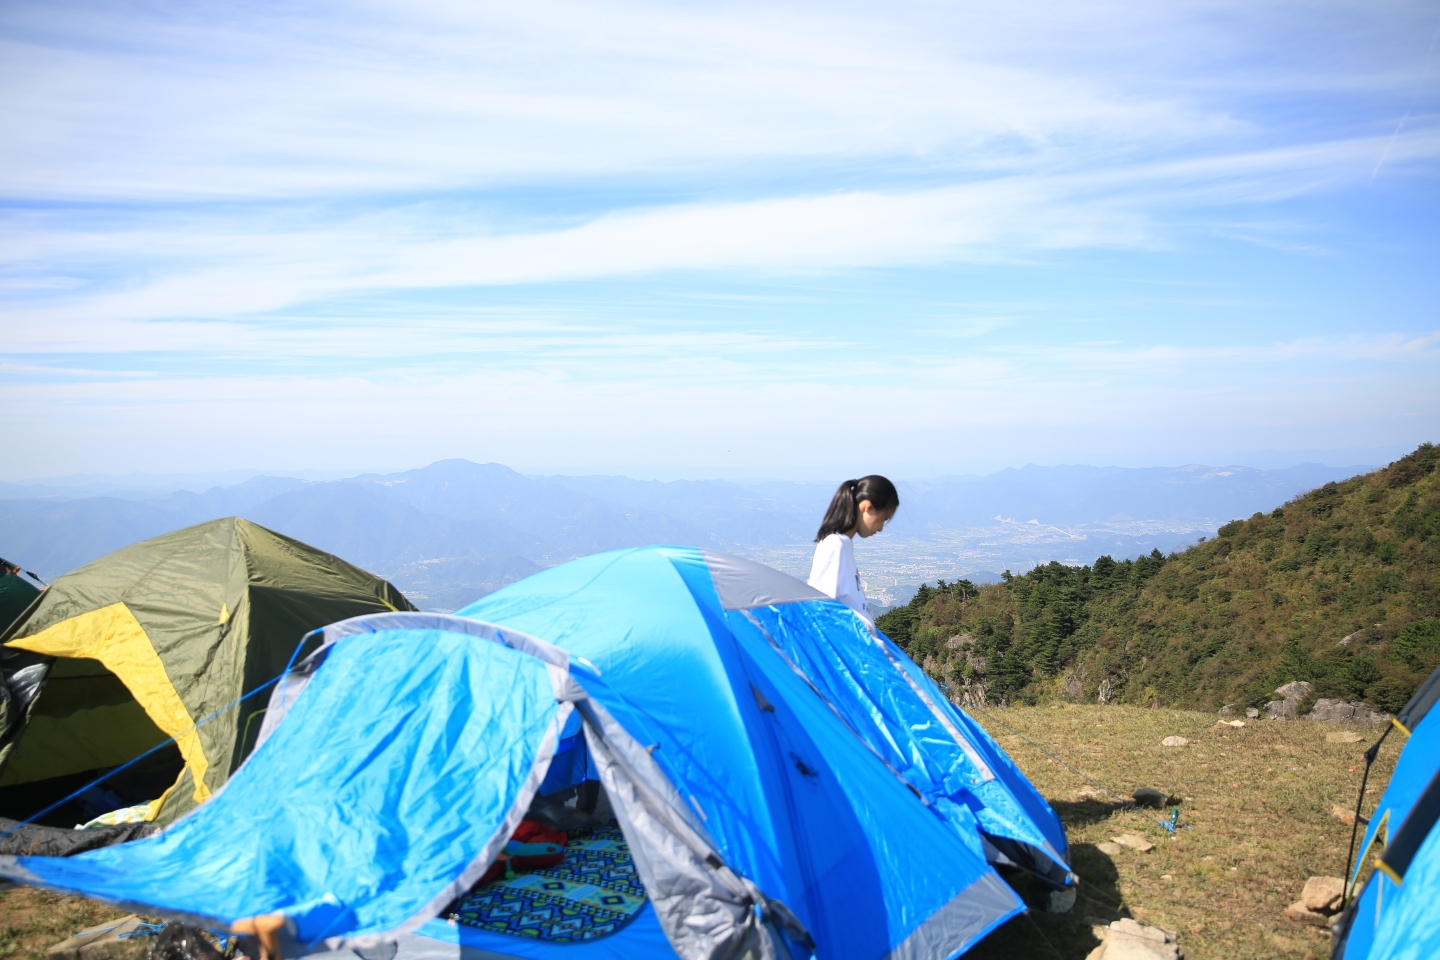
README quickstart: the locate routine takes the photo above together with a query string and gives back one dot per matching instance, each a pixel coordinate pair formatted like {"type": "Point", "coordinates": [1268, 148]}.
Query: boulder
{"type": "Point", "coordinates": [1252, 713]}
{"type": "Point", "coordinates": [1226, 710]}
{"type": "Point", "coordinates": [1230, 723]}
{"type": "Point", "coordinates": [1174, 742]}
{"type": "Point", "coordinates": [1296, 690]}
{"type": "Point", "coordinates": [1127, 939]}
{"type": "Point", "coordinates": [1344, 736]}
{"type": "Point", "coordinates": [1329, 710]}
{"type": "Point", "coordinates": [1323, 894]}
{"type": "Point", "coordinates": [1134, 928]}
{"type": "Point", "coordinates": [1286, 709]}
{"type": "Point", "coordinates": [1339, 711]}
{"type": "Point", "coordinates": [1108, 848]}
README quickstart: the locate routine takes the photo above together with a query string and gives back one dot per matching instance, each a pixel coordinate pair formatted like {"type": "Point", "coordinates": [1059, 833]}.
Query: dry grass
{"type": "Point", "coordinates": [1257, 800]}
{"type": "Point", "coordinates": [31, 920]}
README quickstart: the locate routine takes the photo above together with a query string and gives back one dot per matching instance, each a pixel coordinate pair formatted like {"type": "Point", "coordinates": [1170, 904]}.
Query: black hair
{"type": "Point", "coordinates": [844, 510]}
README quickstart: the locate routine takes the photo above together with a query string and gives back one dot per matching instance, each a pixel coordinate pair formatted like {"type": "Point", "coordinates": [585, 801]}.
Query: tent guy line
{"type": "Point", "coordinates": [163, 743]}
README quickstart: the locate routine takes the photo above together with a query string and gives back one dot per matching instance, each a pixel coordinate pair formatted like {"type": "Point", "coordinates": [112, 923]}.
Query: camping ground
{"type": "Point", "coordinates": [1256, 800]}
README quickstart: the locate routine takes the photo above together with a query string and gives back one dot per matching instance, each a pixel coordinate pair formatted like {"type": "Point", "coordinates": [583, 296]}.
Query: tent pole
{"type": "Point", "coordinates": [1370, 756]}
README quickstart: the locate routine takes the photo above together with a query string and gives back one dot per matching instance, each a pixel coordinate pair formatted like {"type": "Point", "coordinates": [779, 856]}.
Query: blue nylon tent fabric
{"type": "Point", "coordinates": [831, 645]}
{"type": "Point", "coordinates": [363, 805]}
{"type": "Point", "coordinates": [396, 765]}
{"type": "Point", "coordinates": [791, 796]}
{"type": "Point", "coordinates": [1376, 909]}
{"type": "Point", "coordinates": [1398, 920]}
{"type": "Point", "coordinates": [1417, 764]}
{"type": "Point", "coordinates": [1410, 929]}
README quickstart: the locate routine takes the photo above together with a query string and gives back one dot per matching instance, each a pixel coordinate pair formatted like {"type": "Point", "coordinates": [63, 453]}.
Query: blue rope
{"type": "Point", "coordinates": [140, 930]}
{"type": "Point", "coordinates": [164, 743]}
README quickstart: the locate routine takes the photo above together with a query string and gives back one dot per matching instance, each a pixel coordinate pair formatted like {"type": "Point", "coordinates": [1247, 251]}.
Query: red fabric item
{"type": "Point", "coordinates": [528, 832]}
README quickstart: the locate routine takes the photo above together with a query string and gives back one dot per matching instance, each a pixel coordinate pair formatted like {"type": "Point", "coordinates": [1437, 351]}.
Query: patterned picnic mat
{"type": "Point", "coordinates": [593, 893]}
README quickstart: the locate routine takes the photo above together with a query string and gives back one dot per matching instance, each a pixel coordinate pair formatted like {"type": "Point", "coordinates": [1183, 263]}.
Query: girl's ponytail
{"type": "Point", "coordinates": [844, 512]}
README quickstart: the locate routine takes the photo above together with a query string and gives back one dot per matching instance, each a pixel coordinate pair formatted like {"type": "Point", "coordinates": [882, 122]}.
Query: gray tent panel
{"type": "Point", "coordinates": [745, 584]}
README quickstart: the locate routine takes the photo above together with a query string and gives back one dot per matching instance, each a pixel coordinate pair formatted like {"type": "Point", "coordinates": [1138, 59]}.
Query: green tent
{"type": "Point", "coordinates": [142, 644]}
{"type": "Point", "coordinates": [16, 594]}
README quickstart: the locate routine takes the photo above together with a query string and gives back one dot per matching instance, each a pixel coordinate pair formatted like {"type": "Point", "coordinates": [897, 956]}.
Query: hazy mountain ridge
{"type": "Point", "coordinates": [1082, 494]}
{"type": "Point", "coordinates": [774, 512]}
{"type": "Point", "coordinates": [457, 530]}
{"type": "Point", "coordinates": [569, 523]}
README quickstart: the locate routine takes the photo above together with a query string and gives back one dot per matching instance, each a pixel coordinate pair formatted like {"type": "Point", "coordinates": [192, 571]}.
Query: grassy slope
{"type": "Point", "coordinates": [1224, 622]}
{"type": "Point", "coordinates": [1258, 800]}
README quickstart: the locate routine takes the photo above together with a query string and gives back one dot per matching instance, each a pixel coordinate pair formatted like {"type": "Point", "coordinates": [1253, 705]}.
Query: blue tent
{"type": "Point", "coordinates": [787, 782]}
{"type": "Point", "coordinates": [1396, 915]}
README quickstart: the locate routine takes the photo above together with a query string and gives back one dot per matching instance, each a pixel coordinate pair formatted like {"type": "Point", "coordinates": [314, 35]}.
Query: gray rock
{"type": "Point", "coordinates": [1296, 690]}
{"type": "Point", "coordinates": [1339, 711]}
{"type": "Point", "coordinates": [1252, 713]}
{"type": "Point", "coordinates": [1226, 710]}
{"type": "Point", "coordinates": [1286, 709]}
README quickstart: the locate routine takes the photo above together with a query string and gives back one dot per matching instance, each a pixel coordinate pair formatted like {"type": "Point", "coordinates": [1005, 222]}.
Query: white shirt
{"type": "Point", "coordinates": [833, 573]}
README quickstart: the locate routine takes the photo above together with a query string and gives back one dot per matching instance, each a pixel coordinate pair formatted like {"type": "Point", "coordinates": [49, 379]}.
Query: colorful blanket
{"type": "Point", "coordinates": [594, 892]}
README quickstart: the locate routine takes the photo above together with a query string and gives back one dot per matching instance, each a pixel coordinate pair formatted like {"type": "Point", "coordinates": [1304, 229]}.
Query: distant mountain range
{"type": "Point", "coordinates": [451, 532]}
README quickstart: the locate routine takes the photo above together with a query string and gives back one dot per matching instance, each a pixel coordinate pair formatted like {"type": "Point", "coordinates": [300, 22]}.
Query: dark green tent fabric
{"type": "Point", "coordinates": [147, 641]}
{"type": "Point", "coordinates": [16, 595]}
{"type": "Point", "coordinates": [29, 840]}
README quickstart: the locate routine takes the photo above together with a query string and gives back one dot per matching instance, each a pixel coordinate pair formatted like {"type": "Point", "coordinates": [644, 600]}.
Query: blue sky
{"type": "Point", "coordinates": [684, 240]}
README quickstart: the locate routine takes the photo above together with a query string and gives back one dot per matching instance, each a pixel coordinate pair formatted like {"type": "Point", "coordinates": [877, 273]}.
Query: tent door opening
{"type": "Point", "coordinates": [84, 723]}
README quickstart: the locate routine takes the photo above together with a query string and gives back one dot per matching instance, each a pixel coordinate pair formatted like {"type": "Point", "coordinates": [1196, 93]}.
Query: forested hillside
{"type": "Point", "coordinates": [1340, 587]}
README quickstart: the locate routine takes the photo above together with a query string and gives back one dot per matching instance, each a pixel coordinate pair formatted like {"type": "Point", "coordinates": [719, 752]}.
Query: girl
{"type": "Point", "coordinates": [861, 506]}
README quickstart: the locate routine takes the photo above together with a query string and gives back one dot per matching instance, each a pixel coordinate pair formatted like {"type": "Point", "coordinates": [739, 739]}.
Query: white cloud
{"type": "Point", "coordinates": [201, 269]}
{"type": "Point", "coordinates": [337, 99]}
{"type": "Point", "coordinates": [366, 217]}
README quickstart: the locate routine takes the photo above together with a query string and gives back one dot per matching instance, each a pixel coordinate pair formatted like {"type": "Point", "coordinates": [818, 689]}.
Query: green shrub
{"type": "Point", "coordinates": [1418, 644]}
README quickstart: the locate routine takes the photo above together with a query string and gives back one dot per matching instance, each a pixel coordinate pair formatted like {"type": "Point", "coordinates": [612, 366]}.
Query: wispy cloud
{"type": "Point", "coordinates": [922, 215]}
{"type": "Point", "coordinates": [318, 99]}
{"type": "Point", "coordinates": [198, 269]}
